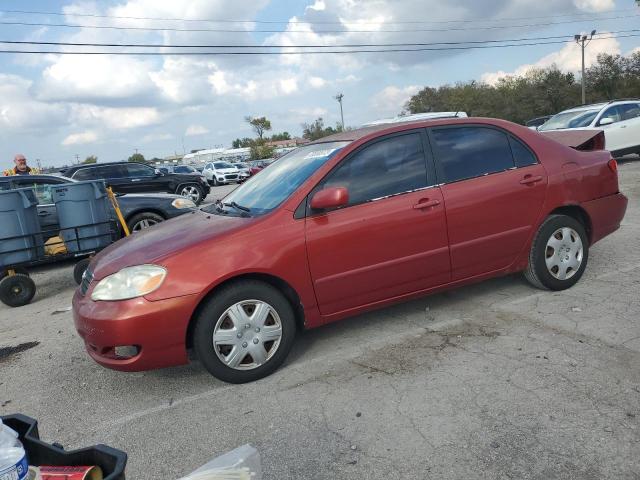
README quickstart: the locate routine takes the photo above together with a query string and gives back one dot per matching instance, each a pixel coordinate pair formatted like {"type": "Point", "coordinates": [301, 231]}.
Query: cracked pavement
{"type": "Point", "coordinates": [494, 380]}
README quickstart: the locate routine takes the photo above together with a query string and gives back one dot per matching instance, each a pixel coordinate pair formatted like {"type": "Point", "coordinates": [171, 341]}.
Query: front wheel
{"type": "Point", "coordinates": [79, 269]}
{"type": "Point", "coordinates": [17, 290]}
{"type": "Point", "coordinates": [559, 253]}
{"type": "Point", "coordinates": [143, 220]}
{"type": "Point", "coordinates": [244, 332]}
{"type": "Point", "coordinates": [192, 192]}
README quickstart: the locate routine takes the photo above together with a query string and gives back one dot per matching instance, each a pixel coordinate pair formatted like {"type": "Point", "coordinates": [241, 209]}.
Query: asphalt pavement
{"type": "Point", "coordinates": [494, 380]}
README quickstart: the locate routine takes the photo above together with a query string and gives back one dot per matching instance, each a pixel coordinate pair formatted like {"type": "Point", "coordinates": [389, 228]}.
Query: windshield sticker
{"type": "Point", "coordinates": [320, 153]}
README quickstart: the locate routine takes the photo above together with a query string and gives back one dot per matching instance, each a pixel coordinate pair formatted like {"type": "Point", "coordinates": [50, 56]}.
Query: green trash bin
{"type": "Point", "coordinates": [20, 234]}
{"type": "Point", "coordinates": [83, 214]}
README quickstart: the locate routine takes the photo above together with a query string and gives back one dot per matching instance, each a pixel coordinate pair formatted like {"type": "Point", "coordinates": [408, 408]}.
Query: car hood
{"type": "Point", "coordinates": [154, 245]}
{"type": "Point", "coordinates": [227, 170]}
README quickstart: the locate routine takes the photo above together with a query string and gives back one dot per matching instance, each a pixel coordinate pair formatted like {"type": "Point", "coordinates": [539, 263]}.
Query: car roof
{"type": "Point", "coordinates": [37, 177]}
{"type": "Point", "coordinates": [102, 164]}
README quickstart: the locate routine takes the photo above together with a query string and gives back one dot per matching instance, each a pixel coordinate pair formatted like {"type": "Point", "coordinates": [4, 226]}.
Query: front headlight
{"type": "Point", "coordinates": [181, 203]}
{"type": "Point", "coordinates": [130, 282]}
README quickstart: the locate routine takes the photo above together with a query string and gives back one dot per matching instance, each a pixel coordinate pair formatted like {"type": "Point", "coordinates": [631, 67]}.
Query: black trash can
{"type": "Point", "coordinates": [20, 238]}
{"type": "Point", "coordinates": [111, 461]}
{"type": "Point", "coordinates": [83, 213]}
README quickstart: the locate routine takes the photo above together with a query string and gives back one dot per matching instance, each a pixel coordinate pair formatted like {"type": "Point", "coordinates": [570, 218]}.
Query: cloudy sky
{"type": "Point", "coordinates": [53, 107]}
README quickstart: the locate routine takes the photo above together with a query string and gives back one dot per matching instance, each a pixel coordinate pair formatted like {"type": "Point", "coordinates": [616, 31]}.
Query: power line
{"type": "Point", "coordinates": [220, 30]}
{"type": "Point", "coordinates": [399, 22]}
{"type": "Point", "coordinates": [346, 45]}
{"type": "Point", "coordinates": [306, 52]}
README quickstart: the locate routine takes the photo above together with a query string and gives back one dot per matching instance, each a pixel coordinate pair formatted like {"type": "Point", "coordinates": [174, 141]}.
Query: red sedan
{"type": "Point", "coordinates": [347, 224]}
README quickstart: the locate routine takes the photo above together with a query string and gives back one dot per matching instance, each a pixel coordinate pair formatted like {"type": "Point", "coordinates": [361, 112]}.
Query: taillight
{"type": "Point", "coordinates": [613, 165]}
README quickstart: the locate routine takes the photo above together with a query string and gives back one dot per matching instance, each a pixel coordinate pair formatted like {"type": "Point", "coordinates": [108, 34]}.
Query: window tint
{"type": "Point", "coordinates": [521, 154]}
{"type": "Point", "coordinates": [629, 111]}
{"type": "Point", "coordinates": [41, 190]}
{"type": "Point", "coordinates": [468, 152]}
{"type": "Point", "coordinates": [139, 171]}
{"type": "Point", "coordinates": [86, 174]}
{"type": "Point", "coordinates": [5, 186]}
{"type": "Point", "coordinates": [386, 167]}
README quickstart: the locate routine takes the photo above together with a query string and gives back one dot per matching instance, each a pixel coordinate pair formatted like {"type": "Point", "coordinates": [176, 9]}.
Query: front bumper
{"type": "Point", "coordinates": [606, 214]}
{"type": "Point", "coordinates": [157, 329]}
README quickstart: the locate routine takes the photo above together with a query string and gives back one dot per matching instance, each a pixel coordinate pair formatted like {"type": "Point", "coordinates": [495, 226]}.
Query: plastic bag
{"type": "Point", "coordinates": [243, 463]}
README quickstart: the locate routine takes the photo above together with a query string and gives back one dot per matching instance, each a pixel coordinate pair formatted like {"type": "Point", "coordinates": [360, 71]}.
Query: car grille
{"type": "Point", "coordinates": [231, 177]}
{"type": "Point", "coordinates": [87, 278]}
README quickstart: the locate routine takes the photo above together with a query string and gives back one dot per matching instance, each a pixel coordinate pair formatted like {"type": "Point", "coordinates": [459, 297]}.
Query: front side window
{"type": "Point", "coordinates": [573, 119]}
{"type": "Point", "coordinates": [43, 191]}
{"type": "Point", "coordinates": [468, 152]}
{"type": "Point", "coordinates": [387, 167]}
{"type": "Point", "coordinates": [139, 171]}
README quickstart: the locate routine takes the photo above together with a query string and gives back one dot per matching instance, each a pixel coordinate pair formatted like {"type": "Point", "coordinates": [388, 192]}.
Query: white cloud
{"type": "Point", "coordinates": [317, 82]}
{"type": "Point", "coordinates": [288, 85]}
{"type": "Point", "coordinates": [567, 59]}
{"type": "Point", "coordinates": [391, 100]}
{"type": "Point", "coordinates": [114, 117]}
{"type": "Point", "coordinates": [156, 137]}
{"type": "Point", "coordinates": [194, 130]}
{"type": "Point", "coordinates": [595, 5]}
{"type": "Point", "coordinates": [80, 138]}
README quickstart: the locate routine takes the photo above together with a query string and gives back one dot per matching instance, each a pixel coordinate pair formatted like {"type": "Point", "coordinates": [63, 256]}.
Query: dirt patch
{"type": "Point", "coordinates": [7, 352]}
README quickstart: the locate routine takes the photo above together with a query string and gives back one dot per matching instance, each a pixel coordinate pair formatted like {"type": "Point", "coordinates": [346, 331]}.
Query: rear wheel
{"type": "Point", "coordinates": [559, 253]}
{"type": "Point", "coordinates": [143, 220]}
{"type": "Point", "coordinates": [17, 290]}
{"type": "Point", "coordinates": [193, 192]}
{"type": "Point", "coordinates": [244, 332]}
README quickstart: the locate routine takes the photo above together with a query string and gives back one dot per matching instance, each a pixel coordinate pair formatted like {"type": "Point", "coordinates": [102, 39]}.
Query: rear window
{"type": "Point", "coordinates": [468, 152]}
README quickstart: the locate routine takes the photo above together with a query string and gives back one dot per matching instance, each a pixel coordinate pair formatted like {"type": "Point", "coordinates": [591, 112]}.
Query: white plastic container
{"type": "Point", "coordinates": [13, 460]}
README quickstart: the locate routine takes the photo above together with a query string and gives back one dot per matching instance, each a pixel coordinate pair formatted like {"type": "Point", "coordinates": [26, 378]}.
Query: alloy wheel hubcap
{"type": "Point", "coordinates": [191, 193]}
{"type": "Point", "coordinates": [142, 224]}
{"type": "Point", "coordinates": [247, 334]}
{"type": "Point", "coordinates": [564, 253]}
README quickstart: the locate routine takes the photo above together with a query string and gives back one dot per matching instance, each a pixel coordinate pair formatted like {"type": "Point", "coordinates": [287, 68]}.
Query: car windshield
{"type": "Point", "coordinates": [264, 192]}
{"type": "Point", "coordinates": [222, 165]}
{"type": "Point", "coordinates": [239, 165]}
{"type": "Point", "coordinates": [576, 119]}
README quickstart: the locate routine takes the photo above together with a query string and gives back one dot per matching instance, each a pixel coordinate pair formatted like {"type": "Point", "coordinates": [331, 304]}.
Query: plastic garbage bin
{"type": "Point", "coordinates": [83, 214]}
{"type": "Point", "coordinates": [20, 234]}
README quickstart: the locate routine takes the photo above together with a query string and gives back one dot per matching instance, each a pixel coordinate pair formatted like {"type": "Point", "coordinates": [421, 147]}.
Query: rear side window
{"type": "Point", "coordinates": [387, 167]}
{"type": "Point", "coordinates": [468, 152]}
{"type": "Point", "coordinates": [521, 154]}
{"type": "Point", "coordinates": [86, 174]}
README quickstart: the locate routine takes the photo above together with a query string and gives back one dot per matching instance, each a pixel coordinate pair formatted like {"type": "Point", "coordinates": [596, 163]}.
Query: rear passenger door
{"type": "Point", "coordinates": [493, 188]}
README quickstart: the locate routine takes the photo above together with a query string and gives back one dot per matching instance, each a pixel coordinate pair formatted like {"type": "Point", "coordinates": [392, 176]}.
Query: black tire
{"type": "Point", "coordinates": [537, 272]}
{"type": "Point", "coordinates": [214, 309]}
{"type": "Point", "coordinates": [79, 269]}
{"type": "Point", "coordinates": [214, 181]}
{"type": "Point", "coordinates": [17, 290]}
{"type": "Point", "coordinates": [200, 192]}
{"type": "Point", "coordinates": [143, 220]}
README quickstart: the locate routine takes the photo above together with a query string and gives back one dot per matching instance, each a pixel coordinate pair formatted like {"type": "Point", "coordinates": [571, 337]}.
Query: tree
{"type": "Point", "coordinates": [242, 142]}
{"type": "Point", "coordinates": [280, 136]}
{"type": "Point", "coordinates": [259, 125]}
{"type": "Point", "coordinates": [90, 159]}
{"type": "Point", "coordinates": [316, 130]}
{"type": "Point", "coordinates": [136, 157]}
{"type": "Point", "coordinates": [259, 151]}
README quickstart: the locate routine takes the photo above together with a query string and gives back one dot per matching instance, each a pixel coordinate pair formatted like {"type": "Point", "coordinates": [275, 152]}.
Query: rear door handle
{"type": "Point", "coordinates": [135, 179]}
{"type": "Point", "coordinates": [528, 180]}
{"type": "Point", "coordinates": [426, 203]}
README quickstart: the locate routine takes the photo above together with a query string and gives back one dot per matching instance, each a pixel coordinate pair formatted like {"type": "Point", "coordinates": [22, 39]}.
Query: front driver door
{"type": "Point", "coordinates": [391, 239]}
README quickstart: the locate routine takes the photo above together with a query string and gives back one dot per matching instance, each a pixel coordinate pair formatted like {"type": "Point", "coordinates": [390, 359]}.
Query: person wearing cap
{"type": "Point", "coordinates": [21, 167]}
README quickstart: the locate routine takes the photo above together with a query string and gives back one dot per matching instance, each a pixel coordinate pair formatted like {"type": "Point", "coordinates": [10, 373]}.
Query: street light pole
{"type": "Point", "coordinates": [583, 41]}
{"type": "Point", "coordinates": [338, 97]}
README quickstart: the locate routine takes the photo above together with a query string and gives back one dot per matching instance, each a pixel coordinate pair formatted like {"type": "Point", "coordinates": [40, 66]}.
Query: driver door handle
{"type": "Point", "coordinates": [530, 179]}
{"type": "Point", "coordinates": [426, 203]}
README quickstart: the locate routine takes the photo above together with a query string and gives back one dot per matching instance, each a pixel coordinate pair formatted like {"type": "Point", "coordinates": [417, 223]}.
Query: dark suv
{"type": "Point", "coordinates": [132, 177]}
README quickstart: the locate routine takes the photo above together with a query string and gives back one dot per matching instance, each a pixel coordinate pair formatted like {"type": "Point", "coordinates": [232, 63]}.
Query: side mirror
{"type": "Point", "coordinates": [159, 172]}
{"type": "Point", "coordinates": [606, 121]}
{"type": "Point", "coordinates": [331, 197]}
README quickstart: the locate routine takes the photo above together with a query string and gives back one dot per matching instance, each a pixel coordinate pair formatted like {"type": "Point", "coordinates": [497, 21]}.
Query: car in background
{"type": "Point", "coordinates": [220, 173]}
{"type": "Point", "coordinates": [618, 119]}
{"type": "Point", "coordinates": [182, 169]}
{"type": "Point", "coordinates": [534, 123]}
{"type": "Point", "coordinates": [258, 165]}
{"type": "Point", "coordinates": [352, 222]}
{"type": "Point", "coordinates": [140, 211]}
{"type": "Point", "coordinates": [243, 168]}
{"type": "Point", "coordinates": [133, 177]}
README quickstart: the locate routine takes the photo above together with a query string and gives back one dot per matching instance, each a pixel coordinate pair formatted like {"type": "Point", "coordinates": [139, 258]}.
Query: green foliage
{"type": "Point", "coordinates": [136, 157]}
{"type": "Point", "coordinates": [538, 92]}
{"type": "Point", "coordinates": [259, 125]}
{"type": "Point", "coordinates": [90, 159]}
{"type": "Point", "coordinates": [316, 130]}
{"type": "Point", "coordinates": [260, 150]}
{"type": "Point", "coordinates": [280, 136]}
{"type": "Point", "coordinates": [242, 142]}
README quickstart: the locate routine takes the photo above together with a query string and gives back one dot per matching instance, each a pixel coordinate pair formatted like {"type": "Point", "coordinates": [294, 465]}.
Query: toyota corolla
{"type": "Point", "coordinates": [347, 224]}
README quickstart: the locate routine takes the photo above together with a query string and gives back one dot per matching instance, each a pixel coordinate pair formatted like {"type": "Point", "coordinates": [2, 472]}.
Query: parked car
{"type": "Point", "coordinates": [534, 123]}
{"type": "Point", "coordinates": [352, 222]}
{"type": "Point", "coordinates": [619, 119]}
{"type": "Point", "coordinates": [258, 165]}
{"type": "Point", "coordinates": [243, 170]}
{"type": "Point", "coordinates": [133, 177]}
{"type": "Point", "coordinates": [182, 169]}
{"type": "Point", "coordinates": [140, 211]}
{"type": "Point", "coordinates": [220, 173]}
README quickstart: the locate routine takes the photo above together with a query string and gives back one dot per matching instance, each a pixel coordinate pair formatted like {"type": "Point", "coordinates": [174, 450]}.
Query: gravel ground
{"type": "Point", "coordinates": [494, 380]}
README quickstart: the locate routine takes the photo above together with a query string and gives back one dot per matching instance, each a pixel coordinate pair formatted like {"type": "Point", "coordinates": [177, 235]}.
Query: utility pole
{"type": "Point", "coordinates": [583, 41]}
{"type": "Point", "coordinates": [77, 158]}
{"type": "Point", "coordinates": [338, 97]}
